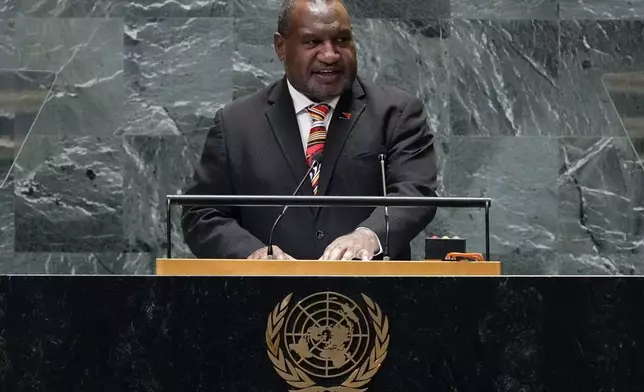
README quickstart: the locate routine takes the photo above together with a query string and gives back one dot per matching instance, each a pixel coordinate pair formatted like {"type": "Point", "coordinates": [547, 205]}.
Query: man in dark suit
{"type": "Point", "coordinates": [263, 145]}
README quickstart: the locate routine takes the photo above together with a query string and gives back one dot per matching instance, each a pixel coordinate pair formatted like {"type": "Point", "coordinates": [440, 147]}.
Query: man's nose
{"type": "Point", "coordinates": [328, 52]}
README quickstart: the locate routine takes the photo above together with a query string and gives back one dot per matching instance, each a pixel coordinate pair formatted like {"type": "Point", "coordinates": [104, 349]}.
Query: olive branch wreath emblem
{"type": "Point", "coordinates": [298, 379]}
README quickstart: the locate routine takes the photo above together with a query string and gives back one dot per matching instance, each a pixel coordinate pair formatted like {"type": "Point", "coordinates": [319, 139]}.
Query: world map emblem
{"type": "Point", "coordinates": [327, 342]}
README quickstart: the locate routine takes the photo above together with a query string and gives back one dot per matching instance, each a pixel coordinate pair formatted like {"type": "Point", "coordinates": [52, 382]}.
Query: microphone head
{"type": "Point", "coordinates": [317, 157]}
{"type": "Point", "coordinates": [381, 157]}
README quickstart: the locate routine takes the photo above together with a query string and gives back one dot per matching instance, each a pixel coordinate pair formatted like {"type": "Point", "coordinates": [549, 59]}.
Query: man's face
{"type": "Point", "coordinates": [318, 51]}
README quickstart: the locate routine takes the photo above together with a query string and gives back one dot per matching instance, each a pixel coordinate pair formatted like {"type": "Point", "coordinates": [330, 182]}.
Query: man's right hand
{"type": "Point", "coordinates": [278, 254]}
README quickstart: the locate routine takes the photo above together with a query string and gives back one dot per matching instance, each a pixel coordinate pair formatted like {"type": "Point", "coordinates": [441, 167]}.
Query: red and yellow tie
{"type": "Point", "coordinates": [317, 136]}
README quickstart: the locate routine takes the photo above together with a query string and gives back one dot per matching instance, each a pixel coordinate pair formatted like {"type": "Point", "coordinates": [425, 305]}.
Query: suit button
{"type": "Point", "coordinates": [319, 234]}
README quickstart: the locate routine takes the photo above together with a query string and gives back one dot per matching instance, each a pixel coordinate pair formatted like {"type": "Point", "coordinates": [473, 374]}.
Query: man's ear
{"type": "Point", "coordinates": [279, 43]}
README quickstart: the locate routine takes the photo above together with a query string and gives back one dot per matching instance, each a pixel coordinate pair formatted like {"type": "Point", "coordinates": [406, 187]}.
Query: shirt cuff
{"type": "Point", "coordinates": [377, 239]}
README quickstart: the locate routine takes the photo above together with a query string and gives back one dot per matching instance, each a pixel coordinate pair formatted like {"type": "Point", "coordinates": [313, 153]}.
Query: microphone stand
{"type": "Point", "coordinates": [317, 159]}
{"type": "Point", "coordinates": [385, 253]}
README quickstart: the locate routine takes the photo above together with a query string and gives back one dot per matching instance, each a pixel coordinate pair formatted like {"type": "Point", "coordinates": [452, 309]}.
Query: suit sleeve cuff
{"type": "Point", "coordinates": [377, 239]}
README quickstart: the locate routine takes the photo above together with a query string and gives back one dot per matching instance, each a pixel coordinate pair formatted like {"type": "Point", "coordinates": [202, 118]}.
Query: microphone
{"type": "Point", "coordinates": [315, 162]}
{"type": "Point", "coordinates": [385, 253]}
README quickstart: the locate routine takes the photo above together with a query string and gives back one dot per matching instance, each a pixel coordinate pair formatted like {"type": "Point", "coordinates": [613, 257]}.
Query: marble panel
{"type": "Point", "coordinates": [505, 9]}
{"type": "Point", "coordinates": [385, 9]}
{"type": "Point", "coordinates": [257, 9]}
{"type": "Point", "coordinates": [411, 56]}
{"type": "Point", "coordinates": [6, 225]}
{"type": "Point", "coordinates": [601, 206]}
{"type": "Point", "coordinates": [80, 264]}
{"type": "Point", "coordinates": [69, 195]}
{"type": "Point", "coordinates": [157, 166]}
{"type": "Point", "coordinates": [8, 57]}
{"type": "Point", "coordinates": [81, 51]}
{"type": "Point", "coordinates": [22, 96]}
{"type": "Point", "coordinates": [589, 51]}
{"type": "Point", "coordinates": [601, 9]}
{"type": "Point", "coordinates": [178, 72]}
{"type": "Point", "coordinates": [627, 94]}
{"type": "Point", "coordinates": [70, 8]}
{"type": "Point", "coordinates": [523, 217]}
{"type": "Point", "coordinates": [7, 132]}
{"type": "Point", "coordinates": [121, 8]}
{"type": "Point", "coordinates": [255, 64]}
{"type": "Point", "coordinates": [424, 10]}
{"type": "Point", "coordinates": [86, 55]}
{"type": "Point", "coordinates": [177, 8]}
{"type": "Point", "coordinates": [638, 145]}
{"type": "Point", "coordinates": [7, 9]}
{"type": "Point", "coordinates": [504, 78]}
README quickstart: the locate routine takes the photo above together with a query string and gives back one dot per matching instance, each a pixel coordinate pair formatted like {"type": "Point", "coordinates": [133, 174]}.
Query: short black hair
{"type": "Point", "coordinates": [284, 18]}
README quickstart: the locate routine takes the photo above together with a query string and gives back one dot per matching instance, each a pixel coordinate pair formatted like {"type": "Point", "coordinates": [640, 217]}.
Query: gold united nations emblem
{"type": "Point", "coordinates": [325, 342]}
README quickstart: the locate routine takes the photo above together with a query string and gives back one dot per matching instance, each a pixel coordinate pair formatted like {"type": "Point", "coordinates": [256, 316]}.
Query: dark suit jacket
{"type": "Point", "coordinates": [255, 148]}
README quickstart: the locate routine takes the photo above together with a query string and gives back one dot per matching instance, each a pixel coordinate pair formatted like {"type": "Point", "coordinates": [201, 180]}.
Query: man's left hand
{"type": "Point", "coordinates": [361, 244]}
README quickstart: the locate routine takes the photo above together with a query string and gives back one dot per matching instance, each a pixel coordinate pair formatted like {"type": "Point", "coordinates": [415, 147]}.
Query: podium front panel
{"type": "Point", "coordinates": [260, 334]}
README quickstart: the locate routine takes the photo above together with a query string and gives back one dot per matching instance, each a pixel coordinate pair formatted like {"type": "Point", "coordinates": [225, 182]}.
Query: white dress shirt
{"type": "Point", "coordinates": [300, 103]}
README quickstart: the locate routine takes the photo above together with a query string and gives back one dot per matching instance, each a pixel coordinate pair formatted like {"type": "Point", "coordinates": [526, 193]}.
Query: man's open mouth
{"type": "Point", "coordinates": [328, 75]}
{"type": "Point", "coordinates": [328, 72]}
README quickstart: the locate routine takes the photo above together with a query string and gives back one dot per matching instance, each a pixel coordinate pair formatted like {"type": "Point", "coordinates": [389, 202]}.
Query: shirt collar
{"type": "Point", "coordinates": [301, 101]}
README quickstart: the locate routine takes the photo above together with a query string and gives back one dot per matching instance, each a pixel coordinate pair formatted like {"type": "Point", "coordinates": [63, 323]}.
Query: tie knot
{"type": "Point", "coordinates": [318, 111]}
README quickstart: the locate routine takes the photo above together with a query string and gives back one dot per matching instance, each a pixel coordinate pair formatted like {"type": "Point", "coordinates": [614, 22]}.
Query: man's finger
{"type": "Point", "coordinates": [364, 255]}
{"type": "Point", "coordinates": [279, 254]}
{"type": "Point", "coordinates": [337, 252]}
{"type": "Point", "coordinates": [330, 252]}
{"type": "Point", "coordinates": [349, 254]}
{"type": "Point", "coordinates": [327, 252]}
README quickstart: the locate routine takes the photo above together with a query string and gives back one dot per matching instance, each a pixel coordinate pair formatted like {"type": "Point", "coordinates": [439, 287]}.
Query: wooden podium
{"type": "Point", "coordinates": [224, 267]}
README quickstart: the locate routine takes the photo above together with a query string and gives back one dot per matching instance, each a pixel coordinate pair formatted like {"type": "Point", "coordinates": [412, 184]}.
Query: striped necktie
{"type": "Point", "coordinates": [317, 136]}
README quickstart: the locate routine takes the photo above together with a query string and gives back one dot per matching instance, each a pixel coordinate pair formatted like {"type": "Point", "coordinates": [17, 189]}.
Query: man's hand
{"type": "Point", "coordinates": [361, 244]}
{"type": "Point", "coordinates": [278, 254]}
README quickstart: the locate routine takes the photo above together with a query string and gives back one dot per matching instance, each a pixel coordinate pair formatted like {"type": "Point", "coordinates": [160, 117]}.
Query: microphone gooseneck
{"type": "Point", "coordinates": [385, 253]}
{"type": "Point", "coordinates": [315, 161]}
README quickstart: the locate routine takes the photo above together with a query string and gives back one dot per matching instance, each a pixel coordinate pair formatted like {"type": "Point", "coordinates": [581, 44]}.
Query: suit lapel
{"type": "Point", "coordinates": [345, 116]}
{"type": "Point", "coordinates": [281, 117]}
